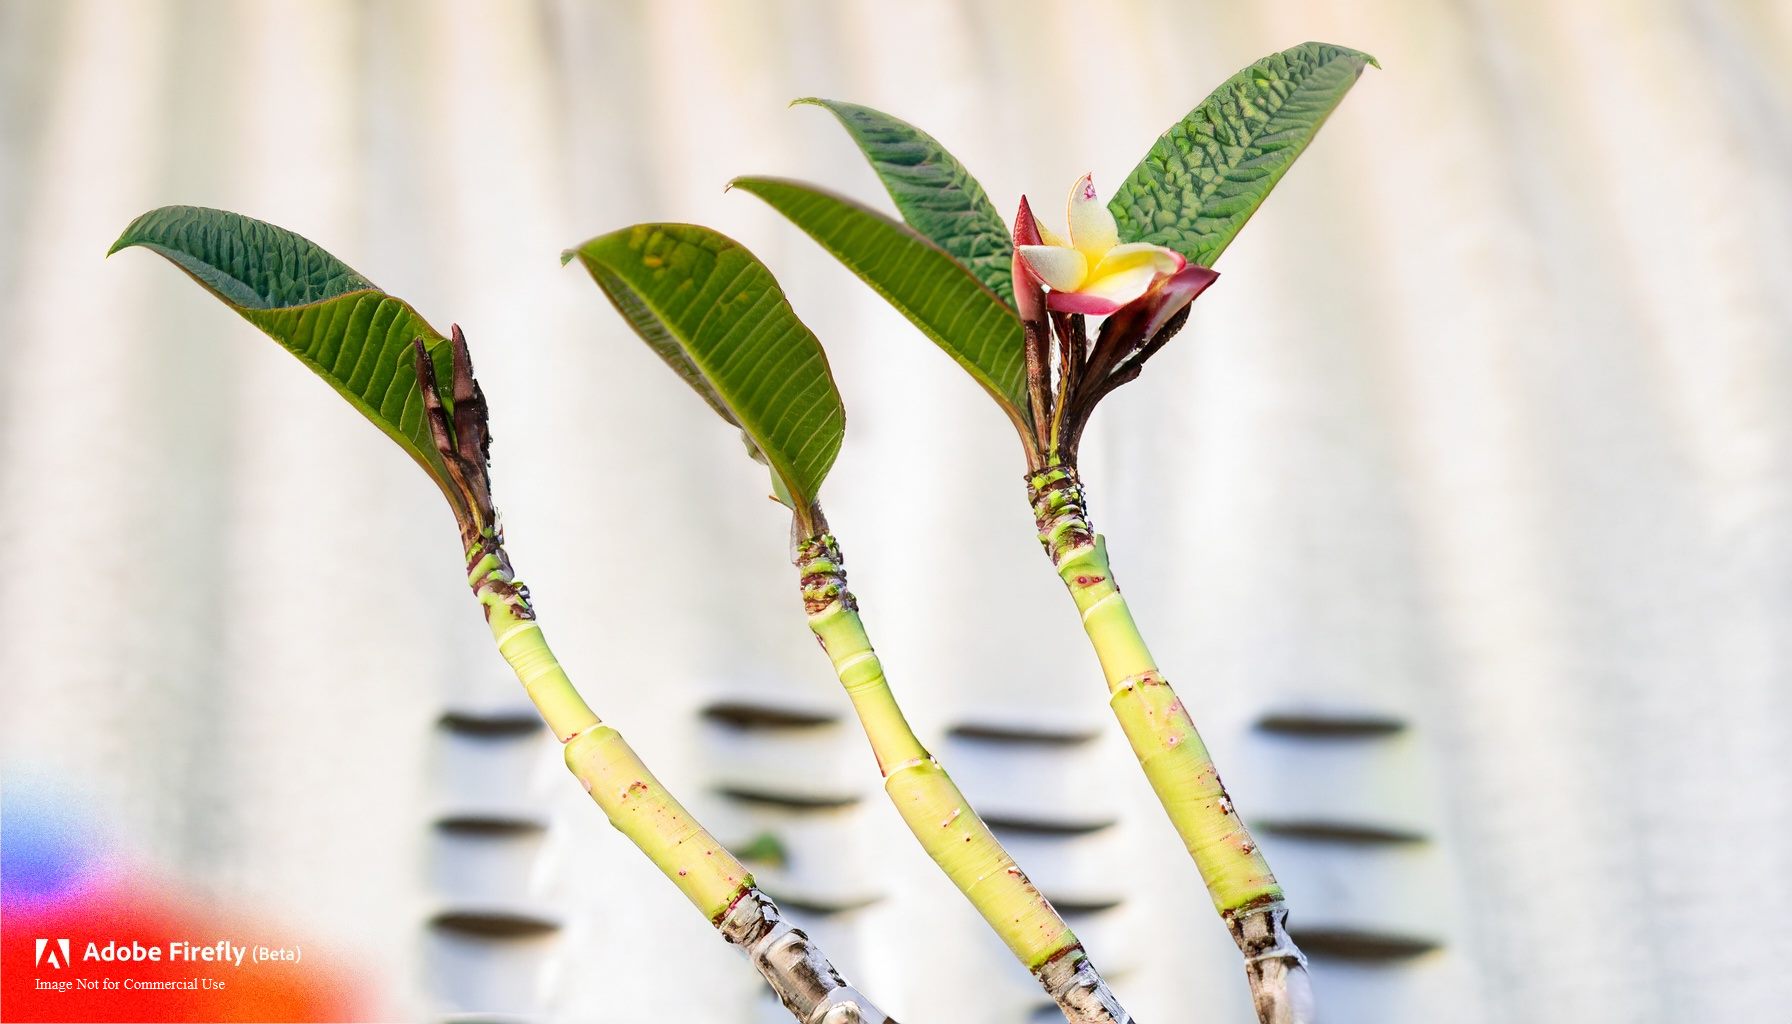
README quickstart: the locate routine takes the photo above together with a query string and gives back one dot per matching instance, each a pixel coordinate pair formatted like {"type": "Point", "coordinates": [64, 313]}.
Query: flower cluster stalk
{"type": "Point", "coordinates": [1175, 761]}
{"type": "Point", "coordinates": [934, 809]}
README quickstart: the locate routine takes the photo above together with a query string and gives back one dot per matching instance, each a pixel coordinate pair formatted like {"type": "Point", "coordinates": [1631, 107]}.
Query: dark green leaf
{"type": "Point", "coordinates": [937, 196]}
{"type": "Point", "coordinates": [716, 315]}
{"type": "Point", "coordinates": [354, 336]}
{"type": "Point", "coordinates": [1207, 175]}
{"type": "Point", "coordinates": [933, 290]}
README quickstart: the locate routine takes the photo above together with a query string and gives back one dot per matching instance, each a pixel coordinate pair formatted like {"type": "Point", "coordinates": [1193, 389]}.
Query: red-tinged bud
{"type": "Point", "coordinates": [1135, 326]}
{"type": "Point", "coordinates": [1026, 229]}
{"type": "Point", "coordinates": [1029, 302]}
{"type": "Point", "coordinates": [1029, 291]}
{"type": "Point", "coordinates": [1170, 295]}
{"type": "Point", "coordinates": [1137, 322]}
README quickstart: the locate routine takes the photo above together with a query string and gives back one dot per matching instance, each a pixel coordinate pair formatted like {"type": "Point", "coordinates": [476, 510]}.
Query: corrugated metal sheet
{"type": "Point", "coordinates": [1459, 514]}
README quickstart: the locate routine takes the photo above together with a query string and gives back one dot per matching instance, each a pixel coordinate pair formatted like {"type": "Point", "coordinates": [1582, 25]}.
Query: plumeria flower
{"type": "Point", "coordinates": [1093, 272]}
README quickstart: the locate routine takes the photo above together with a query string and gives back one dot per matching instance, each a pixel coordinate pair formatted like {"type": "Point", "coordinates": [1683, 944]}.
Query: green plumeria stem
{"type": "Point", "coordinates": [937, 812]}
{"type": "Point", "coordinates": [642, 809]}
{"type": "Point", "coordinates": [1176, 762]}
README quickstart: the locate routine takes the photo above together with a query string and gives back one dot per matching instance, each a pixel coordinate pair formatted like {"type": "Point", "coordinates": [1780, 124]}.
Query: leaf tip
{"type": "Point", "coordinates": [568, 255]}
{"type": "Point", "coordinates": [127, 238]}
{"type": "Point", "coordinates": [747, 183]}
{"type": "Point", "coordinates": [1366, 58]}
{"type": "Point", "coordinates": [810, 101]}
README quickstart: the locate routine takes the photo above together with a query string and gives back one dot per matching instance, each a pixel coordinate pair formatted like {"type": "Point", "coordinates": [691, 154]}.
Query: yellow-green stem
{"type": "Point", "coordinates": [942, 820]}
{"type": "Point", "coordinates": [1164, 739]}
{"type": "Point", "coordinates": [619, 783]}
{"type": "Point", "coordinates": [521, 643]}
{"type": "Point", "coordinates": [642, 809]}
{"type": "Point", "coordinates": [1175, 761]}
{"type": "Point", "coordinates": [1162, 735]}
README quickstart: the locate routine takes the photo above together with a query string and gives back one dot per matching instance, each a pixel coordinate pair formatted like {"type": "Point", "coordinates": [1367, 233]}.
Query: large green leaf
{"type": "Point", "coordinates": [354, 336]}
{"type": "Point", "coordinates": [1207, 175]}
{"type": "Point", "coordinates": [716, 315]}
{"type": "Point", "coordinates": [937, 196]}
{"type": "Point", "coordinates": [932, 289]}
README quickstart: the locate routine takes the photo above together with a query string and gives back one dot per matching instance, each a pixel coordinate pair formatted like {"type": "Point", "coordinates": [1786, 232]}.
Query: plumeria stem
{"type": "Point", "coordinates": [642, 809]}
{"type": "Point", "coordinates": [1175, 761]}
{"type": "Point", "coordinates": [937, 812]}
{"type": "Point", "coordinates": [636, 803]}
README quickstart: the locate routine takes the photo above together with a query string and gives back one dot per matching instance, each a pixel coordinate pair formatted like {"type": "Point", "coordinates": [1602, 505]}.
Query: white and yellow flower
{"type": "Point", "coordinates": [1094, 272]}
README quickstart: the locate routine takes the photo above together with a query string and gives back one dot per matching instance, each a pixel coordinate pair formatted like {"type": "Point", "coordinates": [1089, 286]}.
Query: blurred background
{"type": "Point", "coordinates": [1459, 514]}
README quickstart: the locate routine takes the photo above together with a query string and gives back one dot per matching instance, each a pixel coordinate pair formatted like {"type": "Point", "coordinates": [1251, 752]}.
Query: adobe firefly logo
{"type": "Point", "coordinates": [52, 953]}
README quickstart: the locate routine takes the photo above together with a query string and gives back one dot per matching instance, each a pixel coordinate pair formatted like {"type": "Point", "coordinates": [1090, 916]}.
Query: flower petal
{"type": "Point", "coordinates": [1050, 237]}
{"type": "Point", "coordinates": [1078, 302]}
{"type": "Point", "coordinates": [1136, 254]}
{"type": "Point", "coordinates": [1124, 285]}
{"type": "Point", "coordinates": [1063, 269]}
{"type": "Point", "coordinates": [1092, 227]}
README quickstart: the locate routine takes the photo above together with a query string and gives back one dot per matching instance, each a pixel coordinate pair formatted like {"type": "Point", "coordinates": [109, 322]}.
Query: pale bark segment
{"type": "Point", "coordinates": [1078, 989]}
{"type": "Point", "coordinates": [936, 811]}
{"type": "Point", "coordinates": [1175, 760]}
{"type": "Point", "coordinates": [806, 983]}
{"type": "Point", "coordinates": [1280, 989]}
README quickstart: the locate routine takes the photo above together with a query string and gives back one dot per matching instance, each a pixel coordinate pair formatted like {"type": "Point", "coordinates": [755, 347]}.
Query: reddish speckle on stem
{"type": "Point", "coordinates": [1089, 187]}
{"type": "Point", "coordinates": [1089, 581]}
{"type": "Point", "coordinates": [682, 872]}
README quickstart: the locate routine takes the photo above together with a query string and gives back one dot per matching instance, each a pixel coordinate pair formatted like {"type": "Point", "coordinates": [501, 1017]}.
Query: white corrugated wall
{"type": "Point", "coordinates": [1459, 514]}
